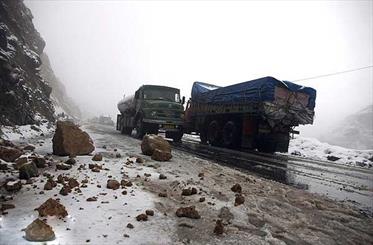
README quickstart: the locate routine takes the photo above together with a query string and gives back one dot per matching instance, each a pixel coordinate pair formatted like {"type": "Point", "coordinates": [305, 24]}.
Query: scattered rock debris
{"type": "Point", "coordinates": [189, 212]}
{"type": "Point", "coordinates": [162, 176]}
{"type": "Point", "coordinates": [13, 186]}
{"type": "Point", "coordinates": [91, 199]}
{"type": "Point", "coordinates": [97, 157]}
{"type": "Point", "coordinates": [142, 217]}
{"type": "Point", "coordinates": [52, 207]}
{"type": "Point", "coordinates": [112, 184]}
{"type": "Point", "coordinates": [240, 199]}
{"type": "Point", "coordinates": [50, 184]}
{"type": "Point", "coordinates": [162, 194]}
{"type": "Point", "coordinates": [149, 212]}
{"type": "Point", "coordinates": [189, 191]}
{"type": "Point", "coordinates": [65, 190]}
{"type": "Point", "coordinates": [236, 188]}
{"type": "Point", "coordinates": [219, 227]}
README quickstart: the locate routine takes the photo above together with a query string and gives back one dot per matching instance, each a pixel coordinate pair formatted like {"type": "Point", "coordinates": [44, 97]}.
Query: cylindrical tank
{"type": "Point", "coordinates": [126, 103]}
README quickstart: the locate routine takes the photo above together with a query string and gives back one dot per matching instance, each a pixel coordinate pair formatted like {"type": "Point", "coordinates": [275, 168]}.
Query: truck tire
{"type": "Point", "coordinates": [203, 137]}
{"type": "Point", "coordinates": [214, 133]}
{"type": "Point", "coordinates": [140, 129]}
{"type": "Point", "coordinates": [176, 136]}
{"type": "Point", "coordinates": [231, 137]}
{"type": "Point", "coordinates": [127, 130]}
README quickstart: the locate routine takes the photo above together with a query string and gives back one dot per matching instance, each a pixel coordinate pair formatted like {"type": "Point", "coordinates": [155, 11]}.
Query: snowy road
{"type": "Point", "coordinates": [273, 212]}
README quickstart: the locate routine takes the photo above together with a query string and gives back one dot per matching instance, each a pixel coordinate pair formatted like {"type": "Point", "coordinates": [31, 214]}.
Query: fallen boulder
{"type": "Point", "coordinates": [112, 184]}
{"type": "Point", "coordinates": [52, 207]}
{"type": "Point", "coordinates": [69, 140]}
{"type": "Point", "coordinates": [38, 231]}
{"type": "Point", "coordinates": [9, 154]}
{"type": "Point", "coordinates": [189, 212]}
{"type": "Point", "coordinates": [70, 161]}
{"type": "Point", "coordinates": [50, 184]}
{"type": "Point", "coordinates": [13, 186]}
{"type": "Point", "coordinates": [157, 147]}
{"type": "Point", "coordinates": [63, 166]}
{"type": "Point", "coordinates": [239, 200]}
{"type": "Point", "coordinates": [161, 156]}
{"type": "Point", "coordinates": [219, 227]}
{"type": "Point", "coordinates": [236, 188]}
{"type": "Point", "coordinates": [28, 170]}
{"type": "Point", "coordinates": [97, 157]}
{"type": "Point", "coordinates": [40, 162]}
{"type": "Point", "coordinates": [73, 183]}
{"type": "Point", "coordinates": [189, 191]}
{"type": "Point", "coordinates": [142, 217]}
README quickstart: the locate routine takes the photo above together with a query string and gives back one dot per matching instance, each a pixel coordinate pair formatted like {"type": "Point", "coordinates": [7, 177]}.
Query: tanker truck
{"type": "Point", "coordinates": [150, 109]}
{"type": "Point", "coordinates": [259, 114]}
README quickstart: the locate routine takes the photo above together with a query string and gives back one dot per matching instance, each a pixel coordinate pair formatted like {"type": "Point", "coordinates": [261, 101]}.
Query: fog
{"type": "Point", "coordinates": [103, 49]}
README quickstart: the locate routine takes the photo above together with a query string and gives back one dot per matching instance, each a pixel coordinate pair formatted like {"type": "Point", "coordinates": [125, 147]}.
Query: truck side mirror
{"type": "Point", "coordinates": [183, 100]}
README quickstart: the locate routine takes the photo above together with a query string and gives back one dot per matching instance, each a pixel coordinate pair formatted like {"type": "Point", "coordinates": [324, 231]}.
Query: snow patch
{"type": "Point", "coordinates": [314, 149]}
{"type": "Point", "coordinates": [17, 133]}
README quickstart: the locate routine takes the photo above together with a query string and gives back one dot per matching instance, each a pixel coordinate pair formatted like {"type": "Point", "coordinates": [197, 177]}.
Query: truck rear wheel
{"type": "Point", "coordinates": [213, 133]}
{"type": "Point", "coordinates": [230, 135]}
{"type": "Point", "coordinates": [127, 130]}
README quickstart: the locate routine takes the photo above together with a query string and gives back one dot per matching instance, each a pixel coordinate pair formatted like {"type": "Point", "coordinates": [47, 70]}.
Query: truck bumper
{"type": "Point", "coordinates": [167, 125]}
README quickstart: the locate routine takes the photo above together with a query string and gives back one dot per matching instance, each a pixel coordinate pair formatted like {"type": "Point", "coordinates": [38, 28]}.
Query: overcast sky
{"type": "Point", "coordinates": [103, 49]}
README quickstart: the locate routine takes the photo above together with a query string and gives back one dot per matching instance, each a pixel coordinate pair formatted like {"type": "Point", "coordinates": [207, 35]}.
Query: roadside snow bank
{"type": "Point", "coordinates": [314, 149]}
{"type": "Point", "coordinates": [17, 133]}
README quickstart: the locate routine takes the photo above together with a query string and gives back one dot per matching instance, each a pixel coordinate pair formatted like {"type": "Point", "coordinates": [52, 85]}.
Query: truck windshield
{"type": "Point", "coordinates": [157, 94]}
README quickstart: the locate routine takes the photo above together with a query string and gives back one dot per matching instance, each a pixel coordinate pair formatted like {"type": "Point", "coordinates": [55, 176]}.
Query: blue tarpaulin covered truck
{"type": "Point", "coordinates": [258, 114]}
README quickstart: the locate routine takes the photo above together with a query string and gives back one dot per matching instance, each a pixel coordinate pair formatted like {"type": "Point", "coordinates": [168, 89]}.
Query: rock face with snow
{"type": "Point", "coordinates": [64, 105]}
{"type": "Point", "coordinates": [70, 140]}
{"type": "Point", "coordinates": [24, 95]}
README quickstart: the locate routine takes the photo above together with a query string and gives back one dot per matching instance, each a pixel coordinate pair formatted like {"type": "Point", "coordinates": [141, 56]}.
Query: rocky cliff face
{"type": "Point", "coordinates": [24, 95]}
{"type": "Point", "coordinates": [63, 104]}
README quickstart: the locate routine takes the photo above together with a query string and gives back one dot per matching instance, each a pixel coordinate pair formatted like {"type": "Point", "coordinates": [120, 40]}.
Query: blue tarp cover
{"type": "Point", "coordinates": [258, 90]}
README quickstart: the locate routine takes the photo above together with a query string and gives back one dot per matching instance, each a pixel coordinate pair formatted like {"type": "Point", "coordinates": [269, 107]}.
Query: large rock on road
{"type": "Point", "coordinates": [70, 140]}
{"type": "Point", "coordinates": [157, 147]}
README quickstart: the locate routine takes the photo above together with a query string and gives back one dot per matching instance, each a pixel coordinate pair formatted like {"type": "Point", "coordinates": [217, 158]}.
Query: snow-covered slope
{"type": "Point", "coordinates": [314, 149]}
{"type": "Point", "coordinates": [355, 131]}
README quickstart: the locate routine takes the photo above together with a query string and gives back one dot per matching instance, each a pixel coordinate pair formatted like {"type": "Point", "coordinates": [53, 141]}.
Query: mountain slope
{"type": "Point", "coordinates": [24, 95]}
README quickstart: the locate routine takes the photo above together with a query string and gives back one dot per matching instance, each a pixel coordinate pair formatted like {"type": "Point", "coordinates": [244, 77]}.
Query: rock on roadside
{"type": "Point", "coordinates": [28, 170]}
{"type": "Point", "coordinates": [112, 184]}
{"type": "Point", "coordinates": [70, 140]}
{"type": "Point", "coordinates": [157, 147]}
{"type": "Point", "coordinates": [38, 231]}
{"type": "Point", "coordinates": [189, 212]}
{"type": "Point", "coordinates": [9, 154]}
{"type": "Point", "coordinates": [52, 208]}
